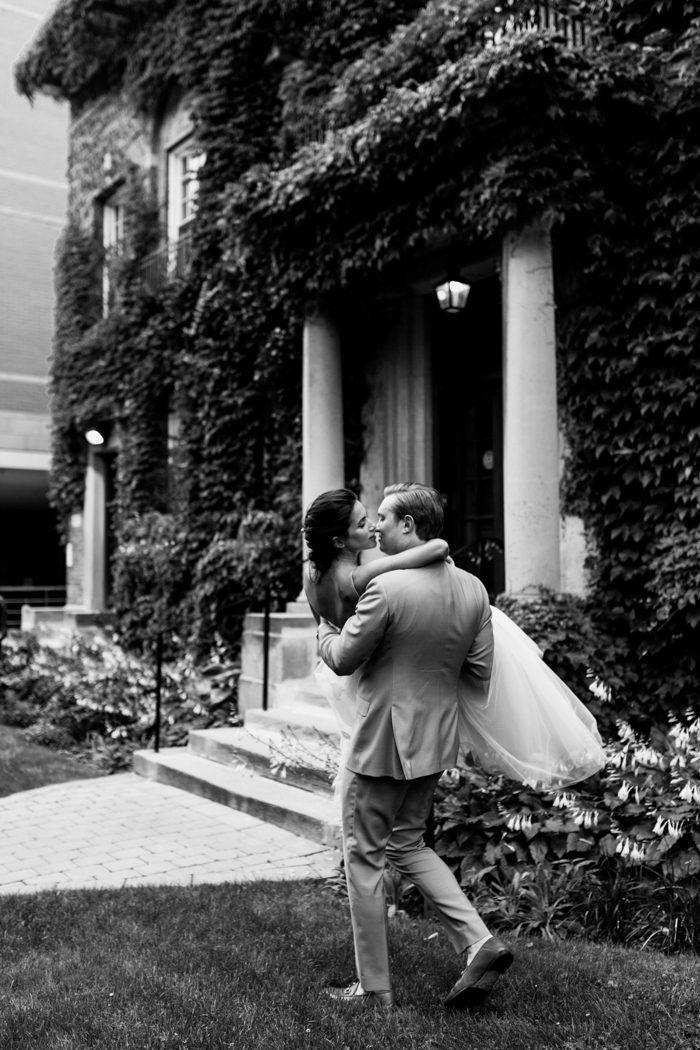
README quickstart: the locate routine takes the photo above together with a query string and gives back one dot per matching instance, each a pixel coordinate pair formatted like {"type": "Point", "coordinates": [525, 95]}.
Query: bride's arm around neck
{"type": "Point", "coordinates": [414, 558]}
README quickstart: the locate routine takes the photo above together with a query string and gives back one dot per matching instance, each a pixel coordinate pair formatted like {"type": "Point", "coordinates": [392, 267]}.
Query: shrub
{"type": "Point", "coordinates": [91, 695]}
{"type": "Point", "coordinates": [618, 856]}
{"type": "Point", "coordinates": [258, 564]}
{"type": "Point", "coordinates": [151, 580]}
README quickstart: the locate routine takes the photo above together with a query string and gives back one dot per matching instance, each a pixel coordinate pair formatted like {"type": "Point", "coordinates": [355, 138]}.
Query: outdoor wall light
{"type": "Point", "coordinates": [94, 436]}
{"type": "Point", "coordinates": [452, 295]}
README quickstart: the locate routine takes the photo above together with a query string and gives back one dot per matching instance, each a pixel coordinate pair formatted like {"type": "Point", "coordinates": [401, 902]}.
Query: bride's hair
{"type": "Point", "coordinates": [328, 516]}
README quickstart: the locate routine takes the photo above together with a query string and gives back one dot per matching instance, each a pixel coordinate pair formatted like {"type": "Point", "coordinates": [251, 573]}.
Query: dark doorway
{"type": "Point", "coordinates": [468, 382]}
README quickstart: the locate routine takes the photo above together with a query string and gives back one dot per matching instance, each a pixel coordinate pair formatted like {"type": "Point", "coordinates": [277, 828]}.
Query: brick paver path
{"type": "Point", "coordinates": [123, 830]}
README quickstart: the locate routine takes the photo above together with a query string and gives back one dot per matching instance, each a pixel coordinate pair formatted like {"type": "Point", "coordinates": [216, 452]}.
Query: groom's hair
{"type": "Point", "coordinates": [422, 503]}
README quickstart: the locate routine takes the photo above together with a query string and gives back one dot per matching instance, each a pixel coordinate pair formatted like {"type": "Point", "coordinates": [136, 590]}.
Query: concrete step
{"type": "Point", "coordinates": [303, 812]}
{"type": "Point", "coordinates": [306, 719]}
{"type": "Point", "coordinates": [298, 690]}
{"type": "Point", "coordinates": [280, 754]}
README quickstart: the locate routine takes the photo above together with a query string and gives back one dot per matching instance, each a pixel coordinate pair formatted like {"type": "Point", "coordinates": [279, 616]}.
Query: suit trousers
{"type": "Point", "coordinates": [385, 819]}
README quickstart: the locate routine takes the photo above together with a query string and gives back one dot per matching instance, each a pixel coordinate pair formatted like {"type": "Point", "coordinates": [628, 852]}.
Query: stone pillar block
{"type": "Point", "coordinates": [292, 656]}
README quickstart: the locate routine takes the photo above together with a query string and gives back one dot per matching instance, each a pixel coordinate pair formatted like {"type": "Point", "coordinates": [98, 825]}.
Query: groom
{"type": "Point", "coordinates": [413, 632]}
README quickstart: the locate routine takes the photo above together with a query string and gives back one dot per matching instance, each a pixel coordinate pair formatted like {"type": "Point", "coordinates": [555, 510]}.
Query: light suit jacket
{"type": "Point", "coordinates": [412, 631]}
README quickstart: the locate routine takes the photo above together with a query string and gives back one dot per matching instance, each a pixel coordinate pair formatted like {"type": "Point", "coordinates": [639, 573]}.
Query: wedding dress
{"type": "Point", "coordinates": [528, 726]}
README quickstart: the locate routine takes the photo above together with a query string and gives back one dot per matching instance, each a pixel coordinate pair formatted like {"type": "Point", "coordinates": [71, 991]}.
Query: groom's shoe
{"type": "Point", "coordinates": [357, 996]}
{"type": "Point", "coordinates": [479, 977]}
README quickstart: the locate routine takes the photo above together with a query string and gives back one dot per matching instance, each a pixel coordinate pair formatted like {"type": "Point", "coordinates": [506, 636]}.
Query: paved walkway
{"type": "Point", "coordinates": [124, 830]}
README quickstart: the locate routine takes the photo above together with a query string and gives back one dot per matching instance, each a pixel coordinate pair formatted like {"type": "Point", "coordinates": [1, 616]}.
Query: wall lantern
{"type": "Point", "coordinates": [93, 436]}
{"type": "Point", "coordinates": [452, 295]}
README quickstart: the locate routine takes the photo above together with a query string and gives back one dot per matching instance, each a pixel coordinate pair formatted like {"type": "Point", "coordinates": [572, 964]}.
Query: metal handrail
{"type": "Point", "coordinates": [170, 262]}
{"type": "Point", "coordinates": [43, 595]}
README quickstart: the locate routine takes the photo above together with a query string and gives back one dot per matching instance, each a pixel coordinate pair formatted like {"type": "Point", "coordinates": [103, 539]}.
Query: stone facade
{"type": "Point", "coordinates": [107, 139]}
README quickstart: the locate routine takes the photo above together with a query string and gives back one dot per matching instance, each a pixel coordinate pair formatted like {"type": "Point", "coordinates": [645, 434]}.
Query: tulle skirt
{"type": "Point", "coordinates": [528, 725]}
{"type": "Point", "coordinates": [340, 692]}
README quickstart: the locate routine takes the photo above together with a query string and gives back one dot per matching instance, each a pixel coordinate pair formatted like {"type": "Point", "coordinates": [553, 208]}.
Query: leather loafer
{"type": "Point", "coordinates": [356, 996]}
{"type": "Point", "coordinates": [477, 979]}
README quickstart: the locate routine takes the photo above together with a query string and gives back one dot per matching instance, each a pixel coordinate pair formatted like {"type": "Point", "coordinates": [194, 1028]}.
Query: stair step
{"type": "Point", "coordinates": [304, 718]}
{"type": "Point", "coordinates": [303, 812]}
{"type": "Point", "coordinates": [279, 754]}
{"type": "Point", "coordinates": [299, 690]}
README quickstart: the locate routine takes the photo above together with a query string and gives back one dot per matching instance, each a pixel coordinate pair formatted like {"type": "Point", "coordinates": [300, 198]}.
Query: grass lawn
{"type": "Point", "coordinates": [242, 966]}
{"type": "Point", "coordinates": [24, 765]}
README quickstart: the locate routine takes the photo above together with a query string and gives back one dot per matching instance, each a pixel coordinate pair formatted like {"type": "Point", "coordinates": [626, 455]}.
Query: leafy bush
{"type": "Point", "coordinates": [618, 856]}
{"type": "Point", "coordinates": [151, 580]}
{"type": "Point", "coordinates": [91, 695]}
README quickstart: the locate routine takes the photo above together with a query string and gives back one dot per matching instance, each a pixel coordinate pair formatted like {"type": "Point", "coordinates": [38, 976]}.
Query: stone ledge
{"type": "Point", "coordinates": [64, 618]}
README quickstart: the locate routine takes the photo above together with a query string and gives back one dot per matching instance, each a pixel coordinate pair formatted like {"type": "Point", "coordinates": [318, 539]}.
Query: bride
{"type": "Point", "coordinates": [529, 726]}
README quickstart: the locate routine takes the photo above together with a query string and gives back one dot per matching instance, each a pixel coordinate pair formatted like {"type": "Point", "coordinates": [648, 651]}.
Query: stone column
{"type": "Point", "coordinates": [322, 409]}
{"type": "Point", "coordinates": [531, 436]}
{"type": "Point", "coordinates": [94, 539]}
{"type": "Point", "coordinates": [292, 640]}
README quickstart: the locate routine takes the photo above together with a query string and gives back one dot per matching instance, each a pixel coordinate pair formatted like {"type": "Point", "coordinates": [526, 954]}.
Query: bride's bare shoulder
{"type": "Point", "coordinates": [342, 578]}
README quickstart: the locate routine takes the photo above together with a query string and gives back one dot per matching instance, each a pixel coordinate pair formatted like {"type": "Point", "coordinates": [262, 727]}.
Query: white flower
{"type": "Point", "coordinates": [690, 792]}
{"type": "Point", "coordinates": [647, 756]}
{"type": "Point", "coordinates": [625, 731]}
{"type": "Point", "coordinates": [627, 848]}
{"type": "Point", "coordinates": [674, 828]}
{"type": "Point", "coordinates": [518, 821]}
{"type": "Point", "coordinates": [564, 800]}
{"type": "Point", "coordinates": [624, 791]}
{"type": "Point", "coordinates": [660, 826]}
{"type": "Point", "coordinates": [450, 778]}
{"type": "Point", "coordinates": [600, 690]}
{"type": "Point", "coordinates": [585, 818]}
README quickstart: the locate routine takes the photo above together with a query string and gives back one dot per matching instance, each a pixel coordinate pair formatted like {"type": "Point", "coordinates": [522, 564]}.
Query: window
{"type": "Point", "coordinates": [175, 462]}
{"type": "Point", "coordinates": [189, 183]}
{"type": "Point", "coordinates": [184, 164]}
{"type": "Point", "coordinates": [112, 245]}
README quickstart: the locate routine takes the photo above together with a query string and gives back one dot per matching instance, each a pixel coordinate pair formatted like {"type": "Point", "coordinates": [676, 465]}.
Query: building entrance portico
{"type": "Point", "coordinates": [466, 403]}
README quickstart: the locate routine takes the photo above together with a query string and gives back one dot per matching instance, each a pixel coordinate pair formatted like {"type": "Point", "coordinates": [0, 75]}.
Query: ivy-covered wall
{"type": "Point", "coordinates": [343, 141]}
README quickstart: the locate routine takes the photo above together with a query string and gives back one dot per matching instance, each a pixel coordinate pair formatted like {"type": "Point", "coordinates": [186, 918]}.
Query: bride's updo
{"type": "Point", "coordinates": [328, 516]}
